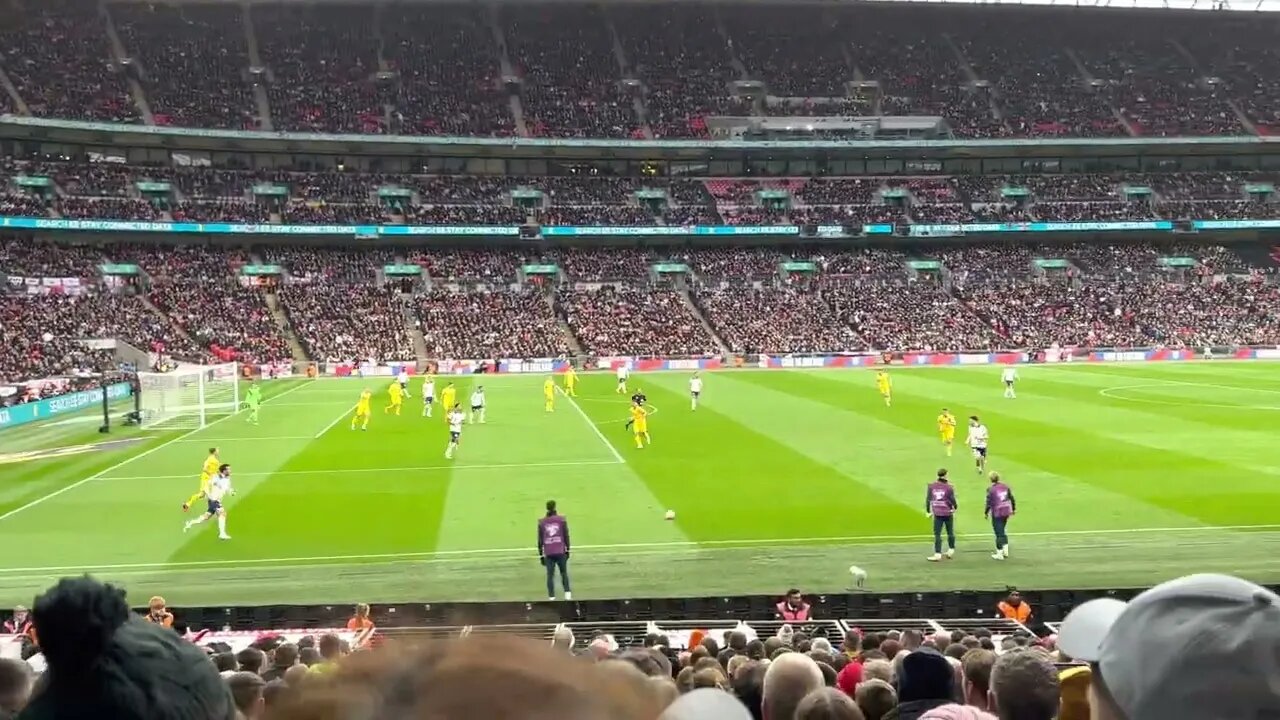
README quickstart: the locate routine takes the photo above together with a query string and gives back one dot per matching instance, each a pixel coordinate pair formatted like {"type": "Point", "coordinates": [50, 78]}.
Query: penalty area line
{"type": "Point", "coordinates": [678, 546]}
{"type": "Point", "coordinates": [617, 456]}
{"type": "Point", "coordinates": [416, 468]}
{"type": "Point", "coordinates": [349, 409]}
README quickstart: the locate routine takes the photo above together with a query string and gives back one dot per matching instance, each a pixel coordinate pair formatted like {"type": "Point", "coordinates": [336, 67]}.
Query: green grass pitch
{"type": "Point", "coordinates": [1125, 475]}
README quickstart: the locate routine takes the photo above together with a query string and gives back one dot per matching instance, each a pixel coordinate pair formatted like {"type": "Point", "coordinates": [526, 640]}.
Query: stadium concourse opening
{"type": "Point", "coordinates": [801, 333]}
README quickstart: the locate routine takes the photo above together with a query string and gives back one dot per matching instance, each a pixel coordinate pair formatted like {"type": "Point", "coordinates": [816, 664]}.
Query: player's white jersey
{"type": "Point", "coordinates": [455, 422]}
{"type": "Point", "coordinates": [695, 385]}
{"type": "Point", "coordinates": [403, 378]}
{"type": "Point", "coordinates": [429, 389]}
{"type": "Point", "coordinates": [219, 487]}
{"type": "Point", "coordinates": [622, 372]}
{"type": "Point", "coordinates": [977, 436]}
{"type": "Point", "coordinates": [1009, 375]}
{"type": "Point", "coordinates": [477, 399]}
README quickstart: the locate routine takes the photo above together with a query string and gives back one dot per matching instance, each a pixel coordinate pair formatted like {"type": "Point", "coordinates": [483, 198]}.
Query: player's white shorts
{"type": "Point", "coordinates": [980, 452]}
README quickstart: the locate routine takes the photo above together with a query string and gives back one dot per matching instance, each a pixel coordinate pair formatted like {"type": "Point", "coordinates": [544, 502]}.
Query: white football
{"type": "Point", "coordinates": [671, 515]}
{"type": "Point", "coordinates": [859, 575]}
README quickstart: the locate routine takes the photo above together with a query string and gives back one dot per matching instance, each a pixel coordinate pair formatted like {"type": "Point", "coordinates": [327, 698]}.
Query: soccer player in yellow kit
{"type": "Point", "coordinates": [549, 395]}
{"type": "Point", "coordinates": [947, 429]}
{"type": "Point", "coordinates": [570, 382]}
{"type": "Point", "coordinates": [885, 386]}
{"type": "Point", "coordinates": [397, 397]}
{"type": "Point", "coordinates": [207, 471]}
{"type": "Point", "coordinates": [363, 410]}
{"type": "Point", "coordinates": [448, 398]}
{"type": "Point", "coordinates": [640, 426]}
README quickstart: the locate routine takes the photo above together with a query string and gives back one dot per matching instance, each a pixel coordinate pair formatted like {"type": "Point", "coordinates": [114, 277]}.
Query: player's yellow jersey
{"type": "Point", "coordinates": [570, 377]}
{"type": "Point", "coordinates": [883, 383]}
{"type": "Point", "coordinates": [448, 396]}
{"type": "Point", "coordinates": [208, 470]}
{"type": "Point", "coordinates": [639, 419]}
{"type": "Point", "coordinates": [947, 424]}
{"type": "Point", "coordinates": [363, 404]}
{"type": "Point", "coordinates": [549, 388]}
{"type": "Point", "coordinates": [396, 391]}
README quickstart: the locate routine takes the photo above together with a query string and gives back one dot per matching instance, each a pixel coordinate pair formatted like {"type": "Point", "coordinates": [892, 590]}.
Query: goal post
{"type": "Point", "coordinates": [192, 396]}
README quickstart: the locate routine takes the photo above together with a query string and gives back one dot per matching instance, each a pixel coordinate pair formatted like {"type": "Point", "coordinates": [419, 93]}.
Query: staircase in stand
{"type": "Point", "coordinates": [282, 321]}
{"type": "Point", "coordinates": [413, 327]}
{"type": "Point", "coordinates": [693, 308]}
{"type": "Point", "coordinates": [575, 347]}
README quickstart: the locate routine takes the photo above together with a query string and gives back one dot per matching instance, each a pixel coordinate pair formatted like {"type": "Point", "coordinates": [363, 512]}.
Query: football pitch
{"type": "Point", "coordinates": [1125, 475]}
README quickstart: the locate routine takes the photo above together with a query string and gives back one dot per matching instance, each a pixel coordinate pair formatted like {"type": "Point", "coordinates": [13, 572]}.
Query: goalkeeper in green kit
{"type": "Point", "coordinates": [253, 400]}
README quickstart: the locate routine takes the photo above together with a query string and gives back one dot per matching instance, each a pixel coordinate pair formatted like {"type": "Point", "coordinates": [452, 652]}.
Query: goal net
{"type": "Point", "coordinates": [190, 397]}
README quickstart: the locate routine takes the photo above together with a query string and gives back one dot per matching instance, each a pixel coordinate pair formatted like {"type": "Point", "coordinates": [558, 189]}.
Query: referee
{"type": "Point", "coordinates": [553, 549]}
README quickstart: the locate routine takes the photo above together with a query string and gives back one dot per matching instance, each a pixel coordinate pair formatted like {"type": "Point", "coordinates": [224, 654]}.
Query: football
{"type": "Point", "coordinates": [671, 515]}
{"type": "Point", "coordinates": [859, 576]}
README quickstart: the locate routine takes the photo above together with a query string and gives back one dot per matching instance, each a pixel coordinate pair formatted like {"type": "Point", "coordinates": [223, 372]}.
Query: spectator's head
{"type": "Point", "coordinates": [910, 639]}
{"type": "Point", "coordinates": [246, 689]}
{"type": "Point", "coordinates": [1024, 686]}
{"type": "Point", "coordinates": [251, 659]}
{"type": "Point", "coordinates": [748, 686]}
{"type": "Point", "coordinates": [794, 598]}
{"type": "Point", "coordinates": [562, 638]}
{"type": "Point", "coordinates": [362, 610]}
{"type": "Point", "coordinates": [286, 656]}
{"type": "Point", "coordinates": [15, 686]}
{"type": "Point", "coordinates": [274, 693]}
{"type": "Point", "coordinates": [309, 656]}
{"type": "Point", "coordinates": [976, 665]}
{"type": "Point", "coordinates": [955, 650]}
{"type": "Point", "coordinates": [875, 698]}
{"type": "Point", "coordinates": [891, 648]}
{"type": "Point", "coordinates": [852, 643]}
{"type": "Point", "coordinates": [1141, 665]}
{"type": "Point", "coordinates": [105, 662]}
{"type": "Point", "coordinates": [755, 649]}
{"type": "Point", "coordinates": [225, 662]}
{"type": "Point", "coordinates": [463, 678]}
{"type": "Point", "coordinates": [827, 704]}
{"type": "Point", "coordinates": [296, 675]}
{"type": "Point", "coordinates": [925, 675]}
{"type": "Point", "coordinates": [330, 647]}
{"type": "Point", "coordinates": [788, 679]}
{"type": "Point", "coordinates": [877, 669]}
{"type": "Point", "coordinates": [737, 641]}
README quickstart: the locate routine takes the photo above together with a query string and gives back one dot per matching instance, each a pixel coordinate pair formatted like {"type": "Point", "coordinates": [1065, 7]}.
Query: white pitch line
{"type": "Point", "coordinates": [416, 468]}
{"type": "Point", "coordinates": [126, 461]}
{"type": "Point", "coordinates": [678, 546]}
{"type": "Point", "coordinates": [337, 420]}
{"type": "Point", "coordinates": [247, 438]}
{"type": "Point", "coordinates": [594, 428]}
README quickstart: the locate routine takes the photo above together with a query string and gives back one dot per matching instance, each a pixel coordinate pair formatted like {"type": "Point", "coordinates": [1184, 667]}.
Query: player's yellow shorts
{"type": "Point", "coordinates": [362, 410]}
{"type": "Point", "coordinates": [640, 428]}
{"type": "Point", "coordinates": [884, 391]}
{"type": "Point", "coordinates": [948, 437]}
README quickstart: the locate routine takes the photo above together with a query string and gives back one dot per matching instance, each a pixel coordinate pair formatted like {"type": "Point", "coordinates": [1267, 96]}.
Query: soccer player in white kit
{"type": "Point", "coordinates": [477, 405]}
{"type": "Point", "coordinates": [977, 442]}
{"type": "Point", "coordinates": [428, 396]}
{"type": "Point", "coordinates": [622, 379]}
{"type": "Point", "coordinates": [403, 379]}
{"type": "Point", "coordinates": [456, 419]}
{"type": "Point", "coordinates": [219, 488]}
{"type": "Point", "coordinates": [1009, 376]}
{"type": "Point", "coordinates": [695, 390]}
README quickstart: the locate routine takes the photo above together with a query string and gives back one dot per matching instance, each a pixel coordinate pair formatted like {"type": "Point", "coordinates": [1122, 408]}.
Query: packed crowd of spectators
{"type": "Point", "coordinates": [33, 257]}
{"type": "Point", "coordinates": [225, 316]}
{"type": "Point", "coordinates": [907, 315]}
{"type": "Point", "coordinates": [596, 265]}
{"type": "Point", "coordinates": [347, 322]}
{"type": "Point", "coordinates": [489, 324]}
{"type": "Point", "coordinates": [346, 68]}
{"type": "Point", "coordinates": [626, 319]}
{"type": "Point", "coordinates": [570, 80]}
{"type": "Point", "coordinates": [496, 265]}
{"type": "Point", "coordinates": [107, 208]}
{"type": "Point", "coordinates": [328, 266]}
{"type": "Point", "coordinates": [41, 333]}
{"type": "Point", "coordinates": [57, 56]}
{"type": "Point", "coordinates": [194, 62]}
{"type": "Point", "coordinates": [323, 60]}
{"type": "Point", "coordinates": [468, 99]}
{"type": "Point", "coordinates": [775, 320]}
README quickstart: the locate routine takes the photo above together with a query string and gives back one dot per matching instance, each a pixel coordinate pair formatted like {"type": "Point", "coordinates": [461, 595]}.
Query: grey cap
{"type": "Point", "coordinates": [1202, 646]}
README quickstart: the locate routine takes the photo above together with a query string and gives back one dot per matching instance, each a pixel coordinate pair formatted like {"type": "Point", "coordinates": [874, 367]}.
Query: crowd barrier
{"type": "Point", "coordinates": [24, 413]}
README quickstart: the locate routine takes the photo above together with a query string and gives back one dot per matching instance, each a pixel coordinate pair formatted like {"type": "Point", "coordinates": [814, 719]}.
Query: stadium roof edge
{"type": "Point", "coordinates": [13, 127]}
